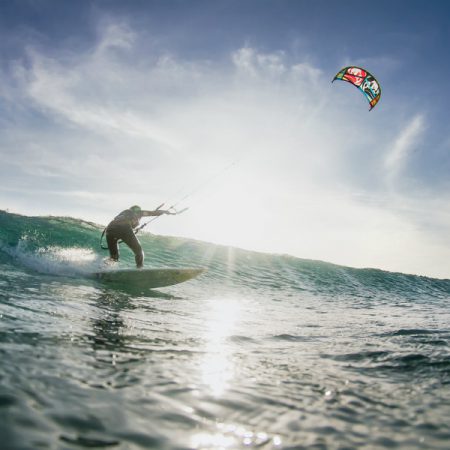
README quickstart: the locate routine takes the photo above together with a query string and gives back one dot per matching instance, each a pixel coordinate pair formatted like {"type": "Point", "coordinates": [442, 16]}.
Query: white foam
{"type": "Point", "coordinates": [55, 260]}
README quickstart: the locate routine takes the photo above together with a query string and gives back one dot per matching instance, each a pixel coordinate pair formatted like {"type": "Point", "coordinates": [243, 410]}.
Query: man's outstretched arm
{"type": "Point", "coordinates": [157, 212]}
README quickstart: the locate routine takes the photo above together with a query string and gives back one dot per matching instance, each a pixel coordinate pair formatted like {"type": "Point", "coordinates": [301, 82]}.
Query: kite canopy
{"type": "Point", "coordinates": [363, 80]}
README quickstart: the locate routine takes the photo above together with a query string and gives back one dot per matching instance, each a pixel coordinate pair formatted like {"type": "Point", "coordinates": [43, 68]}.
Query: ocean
{"type": "Point", "coordinates": [261, 351]}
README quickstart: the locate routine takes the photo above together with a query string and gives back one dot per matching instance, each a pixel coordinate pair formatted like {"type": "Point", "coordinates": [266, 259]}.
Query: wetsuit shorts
{"type": "Point", "coordinates": [123, 231]}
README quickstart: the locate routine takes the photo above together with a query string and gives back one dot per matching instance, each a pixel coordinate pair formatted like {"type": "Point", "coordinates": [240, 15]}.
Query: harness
{"type": "Point", "coordinates": [101, 240]}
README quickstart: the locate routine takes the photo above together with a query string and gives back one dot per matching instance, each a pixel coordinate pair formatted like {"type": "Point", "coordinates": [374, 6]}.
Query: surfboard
{"type": "Point", "coordinates": [147, 278]}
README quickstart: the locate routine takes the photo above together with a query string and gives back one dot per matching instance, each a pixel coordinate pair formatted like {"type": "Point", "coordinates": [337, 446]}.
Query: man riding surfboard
{"type": "Point", "coordinates": [122, 228]}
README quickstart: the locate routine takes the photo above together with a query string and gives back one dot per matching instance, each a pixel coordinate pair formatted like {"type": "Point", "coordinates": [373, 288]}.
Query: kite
{"type": "Point", "coordinates": [363, 80]}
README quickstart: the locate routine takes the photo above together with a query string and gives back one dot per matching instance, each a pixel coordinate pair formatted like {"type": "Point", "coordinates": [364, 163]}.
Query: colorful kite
{"type": "Point", "coordinates": [363, 80]}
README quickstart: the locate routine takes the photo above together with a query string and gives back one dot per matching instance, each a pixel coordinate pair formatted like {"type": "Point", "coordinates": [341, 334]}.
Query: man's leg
{"type": "Point", "coordinates": [132, 241]}
{"type": "Point", "coordinates": [113, 246]}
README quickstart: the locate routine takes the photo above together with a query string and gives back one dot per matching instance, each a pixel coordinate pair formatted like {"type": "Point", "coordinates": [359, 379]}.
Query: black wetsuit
{"type": "Point", "coordinates": [121, 228]}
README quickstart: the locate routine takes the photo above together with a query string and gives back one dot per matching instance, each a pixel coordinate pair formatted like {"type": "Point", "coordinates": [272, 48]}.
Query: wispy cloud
{"type": "Point", "coordinates": [406, 142]}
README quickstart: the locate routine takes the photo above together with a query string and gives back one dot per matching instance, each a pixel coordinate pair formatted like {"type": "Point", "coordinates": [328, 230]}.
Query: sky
{"type": "Point", "coordinates": [227, 107]}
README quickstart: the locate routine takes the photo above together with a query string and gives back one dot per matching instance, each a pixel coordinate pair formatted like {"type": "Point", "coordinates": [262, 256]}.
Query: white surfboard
{"type": "Point", "coordinates": [147, 278]}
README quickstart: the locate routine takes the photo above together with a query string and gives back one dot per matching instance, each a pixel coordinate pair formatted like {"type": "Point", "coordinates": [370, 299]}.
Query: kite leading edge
{"type": "Point", "coordinates": [363, 80]}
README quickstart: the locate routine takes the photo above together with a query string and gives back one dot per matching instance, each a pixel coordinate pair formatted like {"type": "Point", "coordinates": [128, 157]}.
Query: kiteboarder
{"type": "Point", "coordinates": [122, 228]}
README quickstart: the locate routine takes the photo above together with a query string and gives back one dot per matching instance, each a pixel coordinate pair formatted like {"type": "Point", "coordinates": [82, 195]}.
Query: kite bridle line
{"type": "Point", "coordinates": [190, 194]}
{"type": "Point", "coordinates": [182, 199]}
{"type": "Point", "coordinates": [173, 213]}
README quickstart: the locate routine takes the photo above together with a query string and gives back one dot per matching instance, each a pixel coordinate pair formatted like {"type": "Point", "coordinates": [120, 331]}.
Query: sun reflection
{"type": "Point", "coordinates": [233, 436]}
{"type": "Point", "coordinates": [217, 366]}
{"type": "Point", "coordinates": [216, 440]}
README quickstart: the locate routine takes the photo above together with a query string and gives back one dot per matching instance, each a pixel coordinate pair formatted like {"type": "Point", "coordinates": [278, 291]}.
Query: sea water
{"type": "Point", "coordinates": [261, 351]}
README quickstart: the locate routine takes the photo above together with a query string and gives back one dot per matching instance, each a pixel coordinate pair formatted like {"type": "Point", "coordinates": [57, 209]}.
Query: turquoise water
{"type": "Point", "coordinates": [262, 351]}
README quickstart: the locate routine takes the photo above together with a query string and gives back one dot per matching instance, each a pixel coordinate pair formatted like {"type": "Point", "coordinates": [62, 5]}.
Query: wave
{"type": "Point", "coordinates": [69, 247]}
{"type": "Point", "coordinates": [430, 365]}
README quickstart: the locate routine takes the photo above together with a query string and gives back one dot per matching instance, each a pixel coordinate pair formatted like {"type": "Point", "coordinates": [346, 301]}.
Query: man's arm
{"type": "Point", "coordinates": [156, 212]}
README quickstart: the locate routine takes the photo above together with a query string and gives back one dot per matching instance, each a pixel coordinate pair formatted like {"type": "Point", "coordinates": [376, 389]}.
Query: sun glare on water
{"type": "Point", "coordinates": [217, 373]}
{"type": "Point", "coordinates": [217, 368]}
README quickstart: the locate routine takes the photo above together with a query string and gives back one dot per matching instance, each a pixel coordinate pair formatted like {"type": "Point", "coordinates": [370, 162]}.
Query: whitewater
{"type": "Point", "coordinates": [261, 351]}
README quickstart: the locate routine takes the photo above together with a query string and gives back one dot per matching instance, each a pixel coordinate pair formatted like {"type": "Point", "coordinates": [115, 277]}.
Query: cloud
{"type": "Point", "coordinates": [250, 62]}
{"type": "Point", "coordinates": [406, 142]}
{"type": "Point", "coordinates": [88, 93]}
{"type": "Point", "coordinates": [114, 36]}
